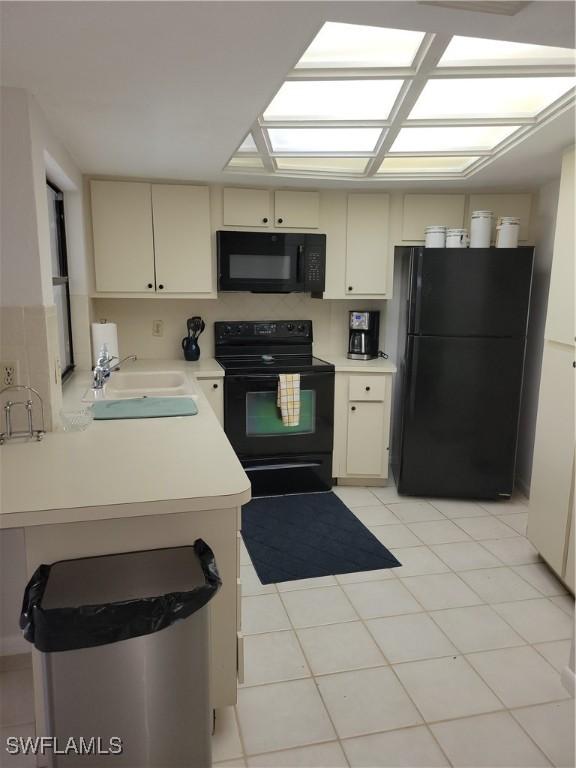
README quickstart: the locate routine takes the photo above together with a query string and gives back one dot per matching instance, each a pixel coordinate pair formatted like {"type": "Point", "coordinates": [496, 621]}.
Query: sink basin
{"type": "Point", "coordinates": [124, 384]}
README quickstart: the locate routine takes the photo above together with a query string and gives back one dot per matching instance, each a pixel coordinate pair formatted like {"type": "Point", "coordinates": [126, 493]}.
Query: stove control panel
{"type": "Point", "coordinates": [271, 330]}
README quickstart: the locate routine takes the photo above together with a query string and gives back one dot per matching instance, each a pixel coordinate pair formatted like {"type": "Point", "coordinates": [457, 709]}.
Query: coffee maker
{"type": "Point", "coordinates": [363, 335]}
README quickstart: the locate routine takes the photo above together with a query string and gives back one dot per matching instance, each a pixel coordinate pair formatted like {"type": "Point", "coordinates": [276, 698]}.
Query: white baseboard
{"type": "Point", "coordinates": [568, 678]}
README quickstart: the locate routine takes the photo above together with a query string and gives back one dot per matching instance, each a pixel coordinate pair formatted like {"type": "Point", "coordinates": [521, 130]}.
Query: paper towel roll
{"type": "Point", "coordinates": [104, 333]}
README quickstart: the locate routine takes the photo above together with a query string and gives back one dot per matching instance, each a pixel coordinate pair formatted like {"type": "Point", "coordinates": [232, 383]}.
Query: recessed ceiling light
{"type": "Point", "coordinates": [248, 145]}
{"type": "Point", "coordinates": [489, 97]}
{"type": "Point", "coordinates": [469, 138]}
{"type": "Point", "coordinates": [476, 51]}
{"type": "Point", "coordinates": [323, 139]}
{"type": "Point", "coordinates": [334, 100]}
{"type": "Point", "coordinates": [354, 45]}
{"type": "Point", "coordinates": [246, 162]}
{"type": "Point", "coordinates": [425, 164]}
{"type": "Point", "coordinates": [323, 164]}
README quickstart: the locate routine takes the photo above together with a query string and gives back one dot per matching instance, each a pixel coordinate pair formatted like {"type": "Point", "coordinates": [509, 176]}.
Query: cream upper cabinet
{"type": "Point", "coordinates": [504, 205]}
{"type": "Point", "coordinates": [182, 239]}
{"type": "Point", "coordinates": [123, 239]}
{"type": "Point", "coordinates": [551, 486]}
{"type": "Point", "coordinates": [296, 210]}
{"type": "Point", "coordinates": [560, 315]}
{"type": "Point", "coordinates": [367, 245]}
{"type": "Point", "coordinates": [421, 211]}
{"type": "Point", "coordinates": [152, 238]}
{"type": "Point", "coordinates": [246, 207]}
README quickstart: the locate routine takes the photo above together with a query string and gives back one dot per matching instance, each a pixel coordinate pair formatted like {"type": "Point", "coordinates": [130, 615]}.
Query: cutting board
{"type": "Point", "coordinates": [145, 408]}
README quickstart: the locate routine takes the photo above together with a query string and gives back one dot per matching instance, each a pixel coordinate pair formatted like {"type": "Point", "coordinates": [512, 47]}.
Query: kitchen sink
{"type": "Point", "coordinates": [125, 384]}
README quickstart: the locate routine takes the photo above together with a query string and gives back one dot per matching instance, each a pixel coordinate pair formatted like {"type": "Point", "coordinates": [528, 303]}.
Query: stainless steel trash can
{"type": "Point", "coordinates": [125, 641]}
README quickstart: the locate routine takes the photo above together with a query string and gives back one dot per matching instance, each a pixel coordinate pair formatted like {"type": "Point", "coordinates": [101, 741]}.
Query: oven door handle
{"type": "Point", "coordinates": [291, 465]}
{"type": "Point", "coordinates": [306, 375]}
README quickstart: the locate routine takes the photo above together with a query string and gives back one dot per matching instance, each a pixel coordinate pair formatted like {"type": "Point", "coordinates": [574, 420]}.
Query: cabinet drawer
{"type": "Point", "coordinates": [367, 388]}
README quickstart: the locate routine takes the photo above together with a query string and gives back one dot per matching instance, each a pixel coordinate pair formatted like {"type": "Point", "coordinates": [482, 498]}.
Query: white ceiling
{"type": "Point", "coordinates": [169, 89]}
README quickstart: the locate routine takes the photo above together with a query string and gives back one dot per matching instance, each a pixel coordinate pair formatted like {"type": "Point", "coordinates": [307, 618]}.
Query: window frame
{"type": "Point", "coordinates": [63, 277]}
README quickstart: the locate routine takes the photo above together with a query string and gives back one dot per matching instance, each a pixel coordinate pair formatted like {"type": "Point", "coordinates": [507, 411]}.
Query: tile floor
{"type": "Point", "coordinates": [451, 660]}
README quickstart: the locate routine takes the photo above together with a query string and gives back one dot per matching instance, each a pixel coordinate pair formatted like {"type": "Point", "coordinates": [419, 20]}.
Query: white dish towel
{"type": "Point", "coordinates": [288, 398]}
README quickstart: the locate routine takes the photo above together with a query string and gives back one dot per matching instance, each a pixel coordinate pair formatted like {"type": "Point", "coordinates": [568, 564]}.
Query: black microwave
{"type": "Point", "coordinates": [271, 262]}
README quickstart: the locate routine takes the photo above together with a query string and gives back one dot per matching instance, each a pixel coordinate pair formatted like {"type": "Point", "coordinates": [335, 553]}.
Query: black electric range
{"type": "Point", "coordinates": [277, 458]}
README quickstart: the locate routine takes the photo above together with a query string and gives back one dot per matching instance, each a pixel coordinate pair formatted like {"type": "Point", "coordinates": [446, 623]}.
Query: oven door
{"type": "Point", "coordinates": [259, 262]}
{"type": "Point", "coordinates": [253, 423]}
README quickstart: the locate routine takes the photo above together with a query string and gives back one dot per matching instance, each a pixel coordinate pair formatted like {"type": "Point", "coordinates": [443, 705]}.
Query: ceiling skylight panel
{"type": "Point", "coordinates": [489, 97]}
{"type": "Point", "coordinates": [475, 51]}
{"type": "Point", "coordinates": [342, 165]}
{"type": "Point", "coordinates": [334, 100]}
{"type": "Point", "coordinates": [432, 164]}
{"type": "Point", "coordinates": [356, 46]}
{"type": "Point", "coordinates": [245, 162]}
{"type": "Point", "coordinates": [323, 139]}
{"type": "Point", "coordinates": [451, 139]}
{"type": "Point", "coordinates": [248, 145]}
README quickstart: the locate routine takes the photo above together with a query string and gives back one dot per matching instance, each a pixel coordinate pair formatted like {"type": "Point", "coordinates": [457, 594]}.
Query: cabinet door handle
{"type": "Point", "coordinates": [367, 389]}
{"type": "Point", "coordinates": [280, 221]}
{"type": "Point", "coordinates": [150, 285]}
{"type": "Point", "coordinates": [161, 286]}
{"type": "Point", "coordinates": [349, 287]}
{"type": "Point", "coordinates": [353, 408]}
{"type": "Point", "coordinates": [265, 220]}
{"type": "Point", "coordinates": [214, 386]}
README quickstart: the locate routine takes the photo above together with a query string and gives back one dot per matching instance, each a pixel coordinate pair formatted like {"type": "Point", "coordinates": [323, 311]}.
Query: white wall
{"type": "Point", "coordinates": [545, 224]}
{"type": "Point", "coordinates": [30, 153]}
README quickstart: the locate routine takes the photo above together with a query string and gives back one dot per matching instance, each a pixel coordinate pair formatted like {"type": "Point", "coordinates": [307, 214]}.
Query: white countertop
{"type": "Point", "coordinates": [343, 364]}
{"type": "Point", "coordinates": [123, 468]}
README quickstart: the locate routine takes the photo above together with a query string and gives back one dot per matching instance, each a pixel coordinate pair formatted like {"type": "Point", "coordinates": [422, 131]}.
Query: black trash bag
{"type": "Point", "coordinates": [88, 626]}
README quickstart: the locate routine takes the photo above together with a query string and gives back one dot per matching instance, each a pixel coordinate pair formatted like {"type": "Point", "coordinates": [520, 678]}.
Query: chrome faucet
{"type": "Point", "coordinates": [103, 368]}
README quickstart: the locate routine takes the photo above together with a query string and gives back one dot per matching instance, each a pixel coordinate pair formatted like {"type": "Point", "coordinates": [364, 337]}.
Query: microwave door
{"type": "Point", "coordinates": [257, 263]}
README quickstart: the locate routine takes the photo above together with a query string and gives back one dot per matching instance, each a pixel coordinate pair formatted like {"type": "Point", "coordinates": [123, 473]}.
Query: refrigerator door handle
{"type": "Point", "coordinates": [412, 367]}
{"type": "Point", "coordinates": [415, 293]}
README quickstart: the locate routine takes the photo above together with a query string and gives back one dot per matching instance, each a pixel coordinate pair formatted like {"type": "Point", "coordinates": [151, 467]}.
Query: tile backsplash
{"type": "Point", "coordinates": [29, 337]}
{"type": "Point", "coordinates": [135, 319]}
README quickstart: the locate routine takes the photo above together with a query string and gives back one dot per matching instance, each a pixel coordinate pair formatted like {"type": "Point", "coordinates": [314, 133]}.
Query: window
{"type": "Point", "coordinates": [60, 284]}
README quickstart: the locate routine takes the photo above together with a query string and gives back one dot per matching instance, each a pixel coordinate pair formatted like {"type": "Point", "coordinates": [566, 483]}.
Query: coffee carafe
{"type": "Point", "coordinates": [363, 335]}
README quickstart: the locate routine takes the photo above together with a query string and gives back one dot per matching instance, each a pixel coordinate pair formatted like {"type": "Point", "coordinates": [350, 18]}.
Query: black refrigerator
{"type": "Point", "coordinates": [464, 314]}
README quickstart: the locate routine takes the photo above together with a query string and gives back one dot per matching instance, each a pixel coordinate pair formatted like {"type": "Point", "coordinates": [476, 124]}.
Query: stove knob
{"type": "Point", "coordinates": [227, 329]}
{"type": "Point", "coordinates": [290, 327]}
{"type": "Point", "coordinates": [301, 328]}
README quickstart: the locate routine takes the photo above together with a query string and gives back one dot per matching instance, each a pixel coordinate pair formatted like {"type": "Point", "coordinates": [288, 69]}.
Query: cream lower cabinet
{"type": "Point", "coordinates": [213, 388]}
{"type": "Point", "coordinates": [362, 405]}
{"type": "Point", "coordinates": [552, 485]}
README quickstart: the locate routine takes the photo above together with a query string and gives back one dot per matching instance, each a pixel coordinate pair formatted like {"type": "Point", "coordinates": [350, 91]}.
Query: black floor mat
{"type": "Point", "coordinates": [309, 535]}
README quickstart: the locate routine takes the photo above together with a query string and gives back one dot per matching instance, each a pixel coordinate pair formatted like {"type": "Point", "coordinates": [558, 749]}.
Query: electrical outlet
{"type": "Point", "coordinates": [157, 328]}
{"type": "Point", "coordinates": [8, 373]}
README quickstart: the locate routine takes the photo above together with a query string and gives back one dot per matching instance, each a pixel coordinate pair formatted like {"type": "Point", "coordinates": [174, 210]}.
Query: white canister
{"type": "Point", "coordinates": [480, 229]}
{"type": "Point", "coordinates": [507, 231]}
{"type": "Point", "coordinates": [435, 236]}
{"type": "Point", "coordinates": [457, 238]}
